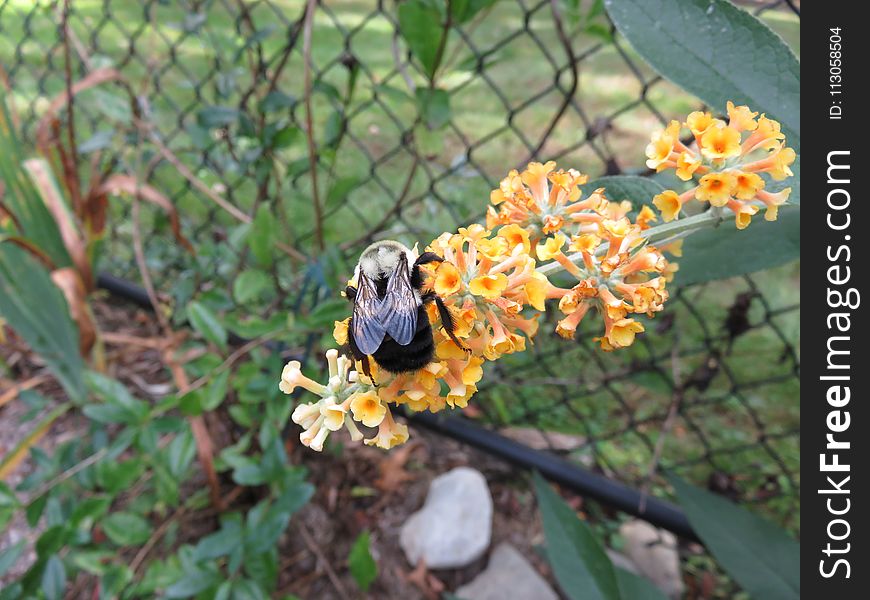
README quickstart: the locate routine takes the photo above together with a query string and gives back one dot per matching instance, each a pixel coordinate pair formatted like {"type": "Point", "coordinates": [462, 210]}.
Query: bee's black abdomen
{"type": "Point", "coordinates": [395, 358]}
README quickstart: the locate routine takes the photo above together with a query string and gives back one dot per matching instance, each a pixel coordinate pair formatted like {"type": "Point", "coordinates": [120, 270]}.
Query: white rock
{"type": "Point", "coordinates": [654, 552]}
{"type": "Point", "coordinates": [507, 577]}
{"type": "Point", "coordinates": [622, 561]}
{"type": "Point", "coordinates": [454, 527]}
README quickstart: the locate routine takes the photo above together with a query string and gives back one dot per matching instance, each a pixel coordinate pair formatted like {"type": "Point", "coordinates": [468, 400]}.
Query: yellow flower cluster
{"type": "Point", "coordinates": [486, 281]}
{"type": "Point", "coordinates": [347, 398]}
{"type": "Point", "coordinates": [619, 274]}
{"type": "Point", "coordinates": [725, 161]}
{"type": "Point", "coordinates": [493, 280]}
{"type": "Point", "coordinates": [490, 281]}
{"type": "Point", "coordinates": [543, 201]}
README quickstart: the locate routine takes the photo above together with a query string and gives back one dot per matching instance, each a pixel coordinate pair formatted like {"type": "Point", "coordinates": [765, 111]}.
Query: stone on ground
{"type": "Point", "coordinates": [654, 553]}
{"type": "Point", "coordinates": [454, 527]}
{"type": "Point", "coordinates": [507, 577]}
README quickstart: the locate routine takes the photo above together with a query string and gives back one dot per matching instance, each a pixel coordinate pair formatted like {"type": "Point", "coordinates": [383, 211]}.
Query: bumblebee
{"type": "Point", "coordinates": [389, 321]}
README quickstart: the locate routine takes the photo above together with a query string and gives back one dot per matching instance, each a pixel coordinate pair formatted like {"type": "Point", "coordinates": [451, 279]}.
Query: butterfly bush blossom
{"type": "Point", "coordinates": [494, 278]}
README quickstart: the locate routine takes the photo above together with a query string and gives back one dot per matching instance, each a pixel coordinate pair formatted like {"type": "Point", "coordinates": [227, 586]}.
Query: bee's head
{"type": "Point", "coordinates": [380, 259]}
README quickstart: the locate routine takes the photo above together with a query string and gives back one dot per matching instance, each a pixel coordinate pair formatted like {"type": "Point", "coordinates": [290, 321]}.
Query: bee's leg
{"type": "Point", "coordinates": [416, 274]}
{"type": "Point", "coordinates": [446, 318]}
{"type": "Point", "coordinates": [350, 292]}
{"type": "Point", "coordinates": [357, 354]}
{"type": "Point", "coordinates": [367, 370]}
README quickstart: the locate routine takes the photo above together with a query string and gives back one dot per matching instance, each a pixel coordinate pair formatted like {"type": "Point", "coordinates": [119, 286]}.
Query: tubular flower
{"type": "Point", "coordinates": [726, 163]}
{"type": "Point", "coordinates": [618, 275]}
{"type": "Point", "coordinates": [331, 412]}
{"type": "Point", "coordinates": [492, 285]}
{"type": "Point", "coordinates": [542, 201]}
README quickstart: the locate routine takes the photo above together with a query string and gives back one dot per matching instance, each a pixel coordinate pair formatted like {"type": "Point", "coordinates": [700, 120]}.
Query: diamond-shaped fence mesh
{"type": "Point", "coordinates": [527, 80]}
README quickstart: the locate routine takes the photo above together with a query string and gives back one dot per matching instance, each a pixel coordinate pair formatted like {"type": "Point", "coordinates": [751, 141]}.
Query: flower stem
{"type": "Point", "coordinates": [665, 232]}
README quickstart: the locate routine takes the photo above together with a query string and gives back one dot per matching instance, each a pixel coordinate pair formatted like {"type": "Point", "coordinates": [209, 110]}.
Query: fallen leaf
{"type": "Point", "coordinates": [392, 468]}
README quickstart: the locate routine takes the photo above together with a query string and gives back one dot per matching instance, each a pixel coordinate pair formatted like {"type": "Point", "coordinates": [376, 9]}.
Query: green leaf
{"type": "Point", "coordinates": [207, 324]}
{"type": "Point", "coordinates": [638, 190]}
{"type": "Point", "coordinates": [362, 566]}
{"type": "Point", "coordinates": [53, 578]}
{"type": "Point", "coordinates": [216, 391]}
{"type": "Point", "coordinates": [275, 101]}
{"type": "Point", "coordinates": [340, 189]}
{"type": "Point", "coordinates": [725, 251]}
{"type": "Point", "coordinates": [717, 52]}
{"type": "Point", "coordinates": [52, 540]}
{"type": "Point", "coordinates": [434, 107]}
{"type": "Point", "coordinates": [465, 10]}
{"type": "Point", "coordinates": [326, 313]}
{"type": "Point", "coordinates": [9, 555]}
{"type": "Point", "coordinates": [578, 559]}
{"type": "Point", "coordinates": [261, 237]}
{"type": "Point", "coordinates": [180, 453]}
{"type": "Point", "coordinates": [126, 529]}
{"type": "Point", "coordinates": [247, 589]}
{"type": "Point", "coordinates": [421, 25]}
{"type": "Point", "coordinates": [760, 556]}
{"type": "Point", "coordinates": [38, 312]}
{"type": "Point", "coordinates": [117, 398]}
{"type": "Point", "coordinates": [211, 117]}
{"type": "Point", "coordinates": [250, 284]}
{"type": "Point", "coordinates": [191, 583]}
{"type": "Point", "coordinates": [634, 587]}
{"type": "Point", "coordinates": [286, 137]}
{"type": "Point", "coordinates": [113, 106]}
{"type": "Point", "coordinates": [100, 140]}
{"type": "Point", "coordinates": [430, 143]}
{"type": "Point", "coordinates": [223, 542]}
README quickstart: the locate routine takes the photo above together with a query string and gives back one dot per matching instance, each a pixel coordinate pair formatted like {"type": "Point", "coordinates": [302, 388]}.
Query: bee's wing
{"type": "Point", "coordinates": [399, 308]}
{"type": "Point", "coordinates": [368, 331]}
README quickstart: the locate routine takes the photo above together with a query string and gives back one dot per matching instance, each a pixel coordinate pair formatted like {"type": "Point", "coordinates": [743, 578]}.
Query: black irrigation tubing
{"type": "Point", "coordinates": [559, 470]}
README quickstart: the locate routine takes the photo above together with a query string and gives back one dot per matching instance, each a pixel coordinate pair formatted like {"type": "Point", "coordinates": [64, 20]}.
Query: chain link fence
{"type": "Point", "coordinates": [527, 80]}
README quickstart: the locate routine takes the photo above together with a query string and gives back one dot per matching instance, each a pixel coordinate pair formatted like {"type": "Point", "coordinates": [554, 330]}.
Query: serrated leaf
{"type": "Point", "coordinates": [760, 556]}
{"type": "Point", "coordinates": [207, 324]}
{"type": "Point", "coordinates": [578, 559]}
{"type": "Point", "coordinates": [748, 63]}
{"type": "Point", "coordinates": [362, 566]}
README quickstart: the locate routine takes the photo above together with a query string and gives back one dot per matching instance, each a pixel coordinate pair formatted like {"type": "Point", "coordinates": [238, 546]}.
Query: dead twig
{"type": "Point", "coordinates": [12, 393]}
{"type": "Point", "coordinates": [321, 558]}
